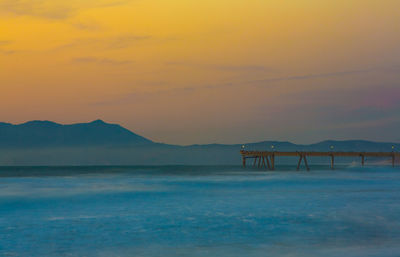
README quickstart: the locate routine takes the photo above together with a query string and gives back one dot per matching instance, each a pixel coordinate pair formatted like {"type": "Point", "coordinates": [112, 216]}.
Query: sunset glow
{"type": "Point", "coordinates": [180, 71]}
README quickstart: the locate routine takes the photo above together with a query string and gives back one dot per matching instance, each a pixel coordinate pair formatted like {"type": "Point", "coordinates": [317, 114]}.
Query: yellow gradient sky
{"type": "Point", "coordinates": [185, 71]}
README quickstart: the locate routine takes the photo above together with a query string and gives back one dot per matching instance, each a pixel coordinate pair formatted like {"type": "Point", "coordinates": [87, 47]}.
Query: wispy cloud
{"type": "Point", "coordinates": [52, 9]}
{"type": "Point", "coordinates": [138, 96]}
{"type": "Point", "coordinates": [242, 68]}
{"type": "Point", "coordinates": [7, 52]}
{"type": "Point", "coordinates": [100, 61]}
{"type": "Point", "coordinates": [313, 76]}
{"type": "Point", "coordinates": [36, 8]}
{"type": "Point", "coordinates": [189, 89]}
{"type": "Point", "coordinates": [269, 81]}
{"type": "Point", "coordinates": [184, 90]}
{"type": "Point", "coordinates": [115, 42]}
{"type": "Point", "coordinates": [5, 42]}
{"type": "Point", "coordinates": [126, 40]}
{"type": "Point", "coordinates": [229, 68]}
{"type": "Point", "coordinates": [87, 26]}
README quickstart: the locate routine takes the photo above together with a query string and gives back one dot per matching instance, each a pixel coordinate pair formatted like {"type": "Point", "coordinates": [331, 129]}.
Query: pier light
{"type": "Point", "coordinates": [272, 147]}
{"type": "Point", "coordinates": [332, 147]}
{"type": "Point", "coordinates": [243, 146]}
{"type": "Point", "coordinates": [392, 147]}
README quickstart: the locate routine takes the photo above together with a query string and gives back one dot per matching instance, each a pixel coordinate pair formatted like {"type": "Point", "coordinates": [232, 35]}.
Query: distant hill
{"type": "Point", "coordinates": [100, 143]}
{"type": "Point", "coordinates": [50, 134]}
{"type": "Point", "coordinates": [344, 145]}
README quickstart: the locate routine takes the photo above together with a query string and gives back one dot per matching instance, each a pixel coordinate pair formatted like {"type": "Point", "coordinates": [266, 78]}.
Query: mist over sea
{"type": "Point", "coordinates": [199, 211]}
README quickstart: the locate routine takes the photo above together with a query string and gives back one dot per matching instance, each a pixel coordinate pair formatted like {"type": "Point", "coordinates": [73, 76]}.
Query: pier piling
{"type": "Point", "coordinates": [305, 162]}
{"type": "Point", "coordinates": [298, 164]}
{"type": "Point", "coordinates": [393, 159]}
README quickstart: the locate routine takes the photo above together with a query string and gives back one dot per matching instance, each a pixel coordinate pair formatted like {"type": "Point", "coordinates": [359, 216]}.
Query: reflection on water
{"type": "Point", "coordinates": [199, 211]}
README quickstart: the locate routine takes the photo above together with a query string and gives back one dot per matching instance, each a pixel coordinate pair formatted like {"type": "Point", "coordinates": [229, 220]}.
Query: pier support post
{"type": "Point", "coordinates": [332, 162]}
{"type": "Point", "coordinates": [306, 163]}
{"type": "Point", "coordinates": [298, 164]}
{"type": "Point", "coordinates": [255, 161]}
{"type": "Point", "coordinates": [244, 162]}
{"type": "Point", "coordinates": [259, 162]}
{"type": "Point", "coordinates": [273, 162]}
{"type": "Point", "coordinates": [303, 156]}
{"type": "Point", "coordinates": [263, 162]}
{"type": "Point", "coordinates": [393, 156]}
{"type": "Point", "coordinates": [362, 160]}
{"type": "Point", "coordinates": [269, 166]}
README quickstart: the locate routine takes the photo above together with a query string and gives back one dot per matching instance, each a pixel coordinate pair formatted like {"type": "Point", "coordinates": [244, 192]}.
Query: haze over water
{"type": "Point", "coordinates": [199, 211]}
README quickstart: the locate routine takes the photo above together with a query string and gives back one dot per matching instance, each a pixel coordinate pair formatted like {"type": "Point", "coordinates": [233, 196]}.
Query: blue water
{"type": "Point", "coordinates": [199, 211]}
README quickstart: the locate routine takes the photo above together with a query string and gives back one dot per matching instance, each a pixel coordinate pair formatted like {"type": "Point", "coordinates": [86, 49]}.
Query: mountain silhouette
{"type": "Point", "coordinates": [101, 143]}
{"type": "Point", "coordinates": [47, 133]}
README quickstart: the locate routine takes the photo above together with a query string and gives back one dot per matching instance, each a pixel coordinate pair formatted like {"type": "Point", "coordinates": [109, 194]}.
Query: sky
{"type": "Point", "coordinates": [210, 71]}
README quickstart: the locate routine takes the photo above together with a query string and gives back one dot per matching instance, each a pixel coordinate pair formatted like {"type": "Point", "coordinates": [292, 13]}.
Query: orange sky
{"type": "Point", "coordinates": [228, 71]}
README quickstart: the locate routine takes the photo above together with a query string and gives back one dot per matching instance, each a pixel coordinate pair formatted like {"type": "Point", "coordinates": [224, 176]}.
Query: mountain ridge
{"type": "Point", "coordinates": [42, 133]}
{"type": "Point", "coordinates": [100, 143]}
{"type": "Point", "coordinates": [118, 129]}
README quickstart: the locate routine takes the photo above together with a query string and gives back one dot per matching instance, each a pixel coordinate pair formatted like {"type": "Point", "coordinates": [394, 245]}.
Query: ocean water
{"type": "Point", "coordinates": [199, 211]}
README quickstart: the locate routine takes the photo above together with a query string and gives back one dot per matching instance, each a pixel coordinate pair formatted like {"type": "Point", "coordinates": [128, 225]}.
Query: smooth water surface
{"type": "Point", "coordinates": [199, 211]}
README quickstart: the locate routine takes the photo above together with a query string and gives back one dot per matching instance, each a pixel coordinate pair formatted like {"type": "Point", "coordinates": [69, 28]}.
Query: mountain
{"type": "Point", "coordinates": [51, 134]}
{"type": "Point", "coordinates": [100, 143]}
{"type": "Point", "coordinates": [338, 145]}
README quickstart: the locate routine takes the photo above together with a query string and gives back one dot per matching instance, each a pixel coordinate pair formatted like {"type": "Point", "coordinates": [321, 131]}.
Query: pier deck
{"type": "Point", "coordinates": [266, 159]}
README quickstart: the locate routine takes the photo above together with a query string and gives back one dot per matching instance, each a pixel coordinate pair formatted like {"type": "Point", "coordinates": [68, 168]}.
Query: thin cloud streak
{"type": "Point", "coordinates": [229, 68]}
{"type": "Point", "coordinates": [116, 42]}
{"type": "Point", "coordinates": [126, 41]}
{"type": "Point", "coordinates": [87, 26]}
{"type": "Point", "coordinates": [51, 9]}
{"type": "Point", "coordinates": [138, 95]}
{"type": "Point", "coordinates": [7, 52]}
{"type": "Point", "coordinates": [242, 68]}
{"type": "Point", "coordinates": [128, 98]}
{"type": "Point", "coordinates": [5, 42]}
{"type": "Point", "coordinates": [100, 61]}
{"type": "Point", "coordinates": [304, 77]}
{"type": "Point", "coordinates": [313, 76]}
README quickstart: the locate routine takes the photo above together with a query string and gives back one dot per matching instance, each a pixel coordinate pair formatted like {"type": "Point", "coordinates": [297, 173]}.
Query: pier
{"type": "Point", "coordinates": [266, 159]}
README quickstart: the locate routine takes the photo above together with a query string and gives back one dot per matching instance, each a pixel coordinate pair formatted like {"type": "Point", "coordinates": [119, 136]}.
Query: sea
{"type": "Point", "coordinates": [199, 211]}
